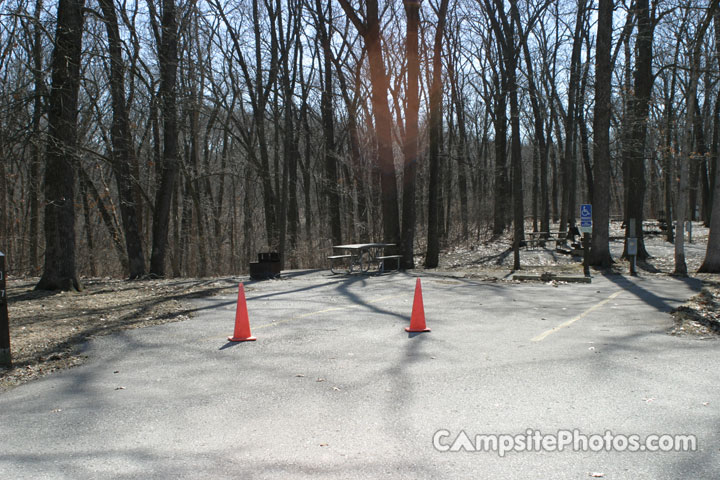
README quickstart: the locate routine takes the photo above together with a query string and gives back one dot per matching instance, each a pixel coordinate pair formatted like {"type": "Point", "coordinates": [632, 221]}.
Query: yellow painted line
{"type": "Point", "coordinates": [575, 319]}
{"type": "Point", "coordinates": [332, 309]}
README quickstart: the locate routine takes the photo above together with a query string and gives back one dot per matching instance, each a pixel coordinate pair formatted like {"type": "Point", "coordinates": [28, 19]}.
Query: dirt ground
{"type": "Point", "coordinates": [47, 329]}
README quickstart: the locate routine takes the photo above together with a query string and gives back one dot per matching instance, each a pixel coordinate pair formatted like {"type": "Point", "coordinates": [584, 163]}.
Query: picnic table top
{"type": "Point", "coordinates": [546, 233]}
{"type": "Point", "coordinates": [361, 246]}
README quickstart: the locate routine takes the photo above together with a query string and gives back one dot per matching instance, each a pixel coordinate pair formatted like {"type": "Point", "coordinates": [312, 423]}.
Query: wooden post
{"type": "Point", "coordinates": [5, 360]}
{"type": "Point", "coordinates": [632, 247]}
{"type": "Point", "coordinates": [586, 254]}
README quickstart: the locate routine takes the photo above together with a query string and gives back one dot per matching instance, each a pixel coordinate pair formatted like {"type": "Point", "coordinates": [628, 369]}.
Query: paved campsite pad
{"type": "Point", "coordinates": [335, 388]}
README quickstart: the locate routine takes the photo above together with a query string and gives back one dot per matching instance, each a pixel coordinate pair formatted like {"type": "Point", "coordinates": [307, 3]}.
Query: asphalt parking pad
{"type": "Point", "coordinates": [334, 387]}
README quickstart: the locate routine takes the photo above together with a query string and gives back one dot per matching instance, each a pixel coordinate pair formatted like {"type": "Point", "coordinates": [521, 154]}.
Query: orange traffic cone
{"type": "Point", "coordinates": [242, 322]}
{"type": "Point", "coordinates": [417, 319]}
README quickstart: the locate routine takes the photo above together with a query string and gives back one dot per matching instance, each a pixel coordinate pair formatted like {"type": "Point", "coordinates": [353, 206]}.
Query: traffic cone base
{"type": "Point", "coordinates": [417, 319]}
{"type": "Point", "coordinates": [242, 322]}
{"type": "Point", "coordinates": [241, 339]}
{"type": "Point", "coordinates": [409, 329]}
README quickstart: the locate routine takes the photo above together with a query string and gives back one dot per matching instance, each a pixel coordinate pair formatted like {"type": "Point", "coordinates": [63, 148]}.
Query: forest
{"type": "Point", "coordinates": [181, 137]}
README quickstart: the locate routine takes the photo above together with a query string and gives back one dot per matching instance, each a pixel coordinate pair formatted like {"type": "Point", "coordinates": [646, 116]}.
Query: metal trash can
{"type": "Point", "coordinates": [267, 266]}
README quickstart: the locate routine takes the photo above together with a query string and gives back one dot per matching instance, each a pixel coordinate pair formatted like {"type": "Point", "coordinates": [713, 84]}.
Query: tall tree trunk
{"type": "Point", "coordinates": [332, 195]}
{"type": "Point", "coordinates": [638, 118]}
{"type": "Point", "coordinates": [433, 224]}
{"type": "Point", "coordinates": [569, 164]}
{"type": "Point", "coordinates": [668, 156]}
{"type": "Point", "coordinates": [168, 55]}
{"type": "Point", "coordinates": [370, 31]}
{"type": "Point", "coordinates": [554, 168]}
{"type": "Point", "coordinates": [292, 154]}
{"type": "Point", "coordinates": [286, 41]}
{"type": "Point", "coordinates": [600, 248]}
{"type": "Point", "coordinates": [711, 264]}
{"type": "Point", "coordinates": [699, 165]}
{"type": "Point", "coordinates": [410, 147]}
{"type": "Point", "coordinates": [582, 127]}
{"type": "Point", "coordinates": [714, 147]}
{"type": "Point", "coordinates": [123, 151]}
{"type": "Point", "coordinates": [515, 145]}
{"type": "Point", "coordinates": [261, 98]}
{"type": "Point", "coordinates": [502, 189]}
{"type": "Point", "coordinates": [36, 152]}
{"type": "Point", "coordinates": [61, 157]}
{"type": "Point", "coordinates": [541, 145]}
{"type": "Point", "coordinates": [383, 126]}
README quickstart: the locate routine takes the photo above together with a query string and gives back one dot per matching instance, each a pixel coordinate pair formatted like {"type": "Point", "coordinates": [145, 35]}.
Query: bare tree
{"type": "Point", "coordinates": [324, 28]}
{"type": "Point", "coordinates": [600, 252]}
{"type": "Point", "coordinates": [38, 112]}
{"type": "Point", "coordinates": [638, 107]}
{"type": "Point", "coordinates": [435, 126]}
{"type": "Point", "coordinates": [61, 157]}
{"type": "Point", "coordinates": [369, 29]}
{"type": "Point", "coordinates": [168, 59]}
{"type": "Point", "coordinates": [691, 98]}
{"type": "Point", "coordinates": [569, 163]}
{"type": "Point", "coordinates": [711, 264]}
{"type": "Point", "coordinates": [123, 151]}
{"type": "Point", "coordinates": [410, 146]}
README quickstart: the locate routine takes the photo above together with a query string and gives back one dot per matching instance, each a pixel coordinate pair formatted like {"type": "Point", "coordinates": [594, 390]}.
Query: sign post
{"type": "Point", "coordinates": [586, 229]}
{"type": "Point", "coordinates": [5, 360]}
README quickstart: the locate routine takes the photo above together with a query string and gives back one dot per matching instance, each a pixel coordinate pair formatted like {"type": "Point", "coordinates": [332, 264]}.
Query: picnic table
{"type": "Point", "coordinates": [360, 257]}
{"type": "Point", "coordinates": [536, 239]}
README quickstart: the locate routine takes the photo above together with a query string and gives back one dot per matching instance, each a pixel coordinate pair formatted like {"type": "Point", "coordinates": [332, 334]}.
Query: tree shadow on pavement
{"type": "Point", "coordinates": [651, 298]}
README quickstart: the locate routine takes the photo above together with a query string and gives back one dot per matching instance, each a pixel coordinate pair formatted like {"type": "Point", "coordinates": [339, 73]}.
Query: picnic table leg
{"type": "Point", "coordinates": [365, 259]}
{"type": "Point", "coordinates": [353, 263]}
{"type": "Point", "coordinates": [332, 266]}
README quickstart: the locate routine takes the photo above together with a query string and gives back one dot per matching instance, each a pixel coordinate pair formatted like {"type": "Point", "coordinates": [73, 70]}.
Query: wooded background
{"type": "Point", "coordinates": [181, 138]}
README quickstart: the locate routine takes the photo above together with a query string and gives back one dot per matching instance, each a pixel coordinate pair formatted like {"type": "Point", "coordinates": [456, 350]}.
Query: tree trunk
{"type": "Point", "coordinates": [332, 195]}
{"type": "Point", "coordinates": [383, 127]}
{"type": "Point", "coordinates": [410, 147]}
{"type": "Point", "coordinates": [569, 164]}
{"type": "Point", "coordinates": [168, 97]}
{"type": "Point", "coordinates": [600, 248]}
{"type": "Point", "coordinates": [541, 145]}
{"type": "Point", "coordinates": [123, 151]}
{"type": "Point", "coordinates": [515, 145]}
{"type": "Point", "coordinates": [638, 118]}
{"type": "Point", "coordinates": [668, 156]}
{"type": "Point", "coordinates": [36, 152]}
{"type": "Point", "coordinates": [61, 156]}
{"type": "Point", "coordinates": [713, 167]}
{"type": "Point", "coordinates": [711, 263]}
{"type": "Point", "coordinates": [370, 31]}
{"type": "Point", "coordinates": [502, 189]}
{"type": "Point", "coordinates": [432, 256]}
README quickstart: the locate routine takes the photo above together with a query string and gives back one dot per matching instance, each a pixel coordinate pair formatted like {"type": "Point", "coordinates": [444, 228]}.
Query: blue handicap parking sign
{"type": "Point", "coordinates": [586, 212]}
